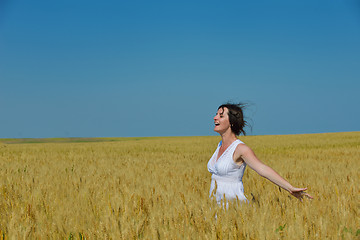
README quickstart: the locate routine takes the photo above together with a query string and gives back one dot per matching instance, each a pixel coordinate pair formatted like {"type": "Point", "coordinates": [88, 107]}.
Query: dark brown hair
{"type": "Point", "coordinates": [236, 117]}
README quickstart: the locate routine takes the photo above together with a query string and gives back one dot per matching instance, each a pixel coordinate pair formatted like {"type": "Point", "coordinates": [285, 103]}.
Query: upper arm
{"type": "Point", "coordinates": [246, 154]}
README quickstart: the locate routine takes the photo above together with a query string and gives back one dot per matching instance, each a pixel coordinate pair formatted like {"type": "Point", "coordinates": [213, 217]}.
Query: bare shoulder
{"type": "Point", "coordinates": [241, 151]}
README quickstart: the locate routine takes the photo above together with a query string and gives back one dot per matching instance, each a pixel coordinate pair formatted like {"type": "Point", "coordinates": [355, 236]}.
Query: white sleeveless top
{"type": "Point", "coordinates": [227, 174]}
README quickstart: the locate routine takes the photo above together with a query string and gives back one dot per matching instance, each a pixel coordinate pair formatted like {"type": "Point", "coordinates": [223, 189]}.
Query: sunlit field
{"type": "Point", "coordinates": [158, 188]}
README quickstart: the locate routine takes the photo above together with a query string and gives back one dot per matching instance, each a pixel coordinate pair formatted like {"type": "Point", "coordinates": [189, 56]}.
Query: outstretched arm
{"type": "Point", "coordinates": [244, 153]}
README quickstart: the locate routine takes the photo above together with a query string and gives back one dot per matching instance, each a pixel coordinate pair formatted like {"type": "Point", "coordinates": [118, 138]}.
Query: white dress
{"type": "Point", "coordinates": [227, 174]}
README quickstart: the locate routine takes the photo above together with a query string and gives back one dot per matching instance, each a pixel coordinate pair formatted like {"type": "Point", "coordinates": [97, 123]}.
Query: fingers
{"type": "Point", "coordinates": [302, 194]}
{"type": "Point", "coordinates": [299, 193]}
{"type": "Point", "coordinates": [308, 196]}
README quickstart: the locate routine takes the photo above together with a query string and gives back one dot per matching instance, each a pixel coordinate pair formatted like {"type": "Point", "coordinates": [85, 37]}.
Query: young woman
{"type": "Point", "coordinates": [228, 163]}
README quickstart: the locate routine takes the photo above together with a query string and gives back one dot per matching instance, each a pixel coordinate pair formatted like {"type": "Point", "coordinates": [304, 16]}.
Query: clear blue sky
{"type": "Point", "coordinates": [161, 68]}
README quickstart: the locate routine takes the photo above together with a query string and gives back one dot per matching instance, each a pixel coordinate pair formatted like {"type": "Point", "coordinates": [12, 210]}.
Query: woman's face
{"type": "Point", "coordinates": [221, 121]}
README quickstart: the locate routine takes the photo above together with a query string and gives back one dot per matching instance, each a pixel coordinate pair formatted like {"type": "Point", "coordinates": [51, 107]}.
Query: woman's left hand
{"type": "Point", "coordinates": [299, 193]}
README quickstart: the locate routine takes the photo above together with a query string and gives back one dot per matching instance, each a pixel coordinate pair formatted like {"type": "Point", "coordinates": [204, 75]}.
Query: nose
{"type": "Point", "coordinates": [215, 117]}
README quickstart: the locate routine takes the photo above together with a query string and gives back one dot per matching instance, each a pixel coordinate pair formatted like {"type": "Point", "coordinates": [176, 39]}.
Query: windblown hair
{"type": "Point", "coordinates": [236, 117]}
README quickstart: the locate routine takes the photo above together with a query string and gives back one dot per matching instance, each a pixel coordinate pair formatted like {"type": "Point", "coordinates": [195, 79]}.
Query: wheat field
{"type": "Point", "coordinates": [158, 188]}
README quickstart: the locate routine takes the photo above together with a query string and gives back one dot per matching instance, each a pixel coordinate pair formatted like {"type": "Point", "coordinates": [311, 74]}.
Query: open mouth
{"type": "Point", "coordinates": [217, 124]}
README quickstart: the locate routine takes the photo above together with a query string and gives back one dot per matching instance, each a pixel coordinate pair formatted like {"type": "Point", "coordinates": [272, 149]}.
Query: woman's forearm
{"type": "Point", "coordinates": [270, 174]}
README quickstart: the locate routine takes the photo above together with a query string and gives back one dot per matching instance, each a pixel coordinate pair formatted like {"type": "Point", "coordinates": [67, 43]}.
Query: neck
{"type": "Point", "coordinates": [228, 138]}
